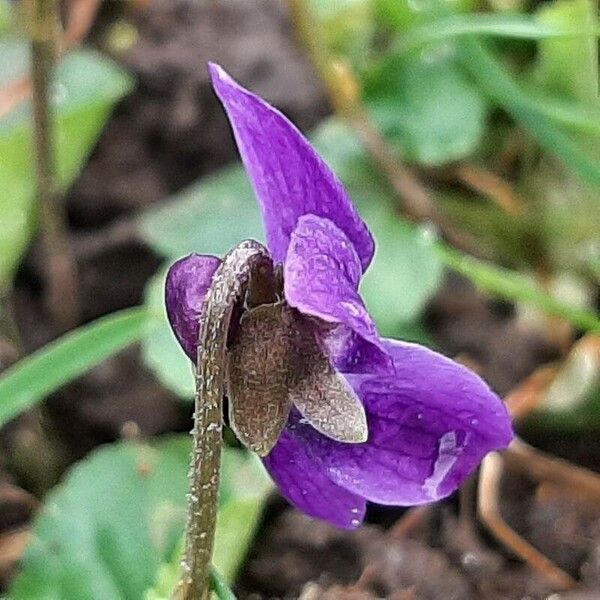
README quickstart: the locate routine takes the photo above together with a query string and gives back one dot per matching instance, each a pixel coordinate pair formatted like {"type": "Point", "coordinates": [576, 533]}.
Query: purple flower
{"type": "Point", "coordinates": [421, 422]}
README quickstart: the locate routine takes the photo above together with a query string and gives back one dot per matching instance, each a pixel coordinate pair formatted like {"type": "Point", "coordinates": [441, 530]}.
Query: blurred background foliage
{"type": "Point", "coordinates": [489, 110]}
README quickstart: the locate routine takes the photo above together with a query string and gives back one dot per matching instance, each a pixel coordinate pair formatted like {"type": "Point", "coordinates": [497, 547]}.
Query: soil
{"type": "Point", "coordinates": [164, 135]}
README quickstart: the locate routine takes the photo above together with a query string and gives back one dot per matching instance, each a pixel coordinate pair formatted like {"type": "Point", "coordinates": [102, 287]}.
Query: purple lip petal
{"type": "Point", "coordinates": [308, 488]}
{"type": "Point", "coordinates": [321, 275]}
{"type": "Point", "coordinates": [187, 282]}
{"type": "Point", "coordinates": [289, 178]}
{"type": "Point", "coordinates": [350, 353]}
{"type": "Point", "coordinates": [430, 425]}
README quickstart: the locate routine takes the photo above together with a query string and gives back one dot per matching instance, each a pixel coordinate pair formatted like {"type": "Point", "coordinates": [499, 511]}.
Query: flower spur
{"type": "Point", "coordinates": [340, 415]}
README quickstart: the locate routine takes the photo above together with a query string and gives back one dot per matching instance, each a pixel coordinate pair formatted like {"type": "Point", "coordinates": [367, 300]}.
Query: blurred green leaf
{"type": "Point", "coordinates": [120, 515]}
{"type": "Point", "coordinates": [494, 80]}
{"type": "Point", "coordinates": [568, 66]}
{"type": "Point", "coordinates": [31, 379]}
{"type": "Point", "coordinates": [568, 69]}
{"type": "Point", "coordinates": [496, 25]}
{"type": "Point", "coordinates": [346, 26]}
{"type": "Point", "coordinates": [106, 529]}
{"type": "Point", "coordinates": [515, 286]}
{"type": "Point", "coordinates": [578, 117]}
{"type": "Point", "coordinates": [406, 272]}
{"type": "Point", "coordinates": [6, 18]}
{"type": "Point", "coordinates": [244, 488]}
{"type": "Point", "coordinates": [220, 588]}
{"type": "Point", "coordinates": [86, 88]}
{"type": "Point", "coordinates": [160, 349]}
{"type": "Point", "coordinates": [209, 217]}
{"type": "Point", "coordinates": [14, 59]}
{"type": "Point", "coordinates": [401, 14]}
{"type": "Point", "coordinates": [426, 106]}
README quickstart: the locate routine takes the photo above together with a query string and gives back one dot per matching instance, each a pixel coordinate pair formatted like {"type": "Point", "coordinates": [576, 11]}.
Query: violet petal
{"type": "Point", "coordinates": [321, 274]}
{"type": "Point", "coordinates": [187, 282]}
{"type": "Point", "coordinates": [289, 178]}
{"type": "Point", "coordinates": [308, 488]}
{"type": "Point", "coordinates": [430, 425]}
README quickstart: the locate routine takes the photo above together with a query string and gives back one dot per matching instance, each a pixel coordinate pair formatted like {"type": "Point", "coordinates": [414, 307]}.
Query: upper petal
{"type": "Point", "coordinates": [321, 274]}
{"type": "Point", "coordinates": [431, 423]}
{"type": "Point", "coordinates": [303, 483]}
{"type": "Point", "coordinates": [187, 282]}
{"type": "Point", "coordinates": [289, 178]}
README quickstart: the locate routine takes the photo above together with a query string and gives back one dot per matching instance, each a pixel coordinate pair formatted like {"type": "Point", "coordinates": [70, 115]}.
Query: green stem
{"type": "Point", "coordinates": [244, 265]}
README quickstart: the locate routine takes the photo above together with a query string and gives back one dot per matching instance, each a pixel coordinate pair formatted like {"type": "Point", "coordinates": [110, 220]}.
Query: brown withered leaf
{"type": "Point", "coordinates": [259, 376]}
{"type": "Point", "coordinates": [275, 361]}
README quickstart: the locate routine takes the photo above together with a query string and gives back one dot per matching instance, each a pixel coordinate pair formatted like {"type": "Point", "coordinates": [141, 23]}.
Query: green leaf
{"type": "Point", "coordinates": [426, 106]}
{"type": "Point", "coordinates": [209, 217]}
{"type": "Point", "coordinates": [568, 66]}
{"type": "Point", "coordinates": [406, 270]}
{"type": "Point", "coordinates": [160, 349]}
{"type": "Point", "coordinates": [487, 24]}
{"type": "Point", "coordinates": [14, 60]}
{"type": "Point", "coordinates": [7, 18]}
{"type": "Point", "coordinates": [346, 26]}
{"type": "Point", "coordinates": [106, 529]}
{"type": "Point", "coordinates": [515, 286]}
{"type": "Point", "coordinates": [118, 518]}
{"type": "Point", "coordinates": [401, 14]}
{"type": "Point", "coordinates": [31, 379]}
{"type": "Point", "coordinates": [220, 588]}
{"type": "Point", "coordinates": [502, 89]}
{"type": "Point", "coordinates": [86, 88]}
{"type": "Point", "coordinates": [244, 489]}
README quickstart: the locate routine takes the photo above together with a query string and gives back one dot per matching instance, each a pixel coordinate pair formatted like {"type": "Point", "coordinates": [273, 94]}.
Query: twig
{"type": "Point", "coordinates": [543, 467]}
{"type": "Point", "coordinates": [12, 546]}
{"type": "Point", "coordinates": [528, 395]}
{"type": "Point", "coordinates": [61, 276]}
{"type": "Point", "coordinates": [13, 94]}
{"type": "Point", "coordinates": [81, 16]}
{"type": "Point", "coordinates": [491, 185]}
{"type": "Point", "coordinates": [414, 517]}
{"type": "Point", "coordinates": [9, 331]}
{"type": "Point", "coordinates": [488, 493]}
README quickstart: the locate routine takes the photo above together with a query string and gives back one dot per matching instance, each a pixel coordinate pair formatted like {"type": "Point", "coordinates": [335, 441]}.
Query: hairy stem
{"type": "Point", "coordinates": [62, 289]}
{"type": "Point", "coordinates": [248, 266]}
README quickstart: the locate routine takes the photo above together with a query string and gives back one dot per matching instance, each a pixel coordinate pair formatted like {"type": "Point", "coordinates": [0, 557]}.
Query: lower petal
{"type": "Point", "coordinates": [431, 423]}
{"type": "Point", "coordinates": [304, 484]}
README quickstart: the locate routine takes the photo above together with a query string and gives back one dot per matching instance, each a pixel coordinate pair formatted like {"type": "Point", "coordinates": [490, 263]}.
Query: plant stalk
{"type": "Point", "coordinates": [61, 273]}
{"type": "Point", "coordinates": [246, 266]}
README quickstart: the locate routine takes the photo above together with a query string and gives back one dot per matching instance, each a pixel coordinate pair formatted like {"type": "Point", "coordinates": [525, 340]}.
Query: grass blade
{"type": "Point", "coordinates": [502, 89]}
{"type": "Point", "coordinates": [506, 26]}
{"type": "Point", "coordinates": [31, 379]}
{"type": "Point", "coordinates": [512, 285]}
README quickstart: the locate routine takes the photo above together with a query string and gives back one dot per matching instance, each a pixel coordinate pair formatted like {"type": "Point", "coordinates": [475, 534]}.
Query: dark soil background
{"type": "Point", "coordinates": [166, 134]}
